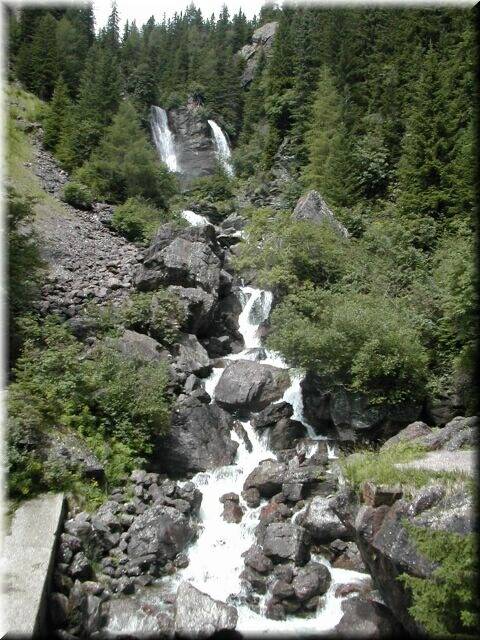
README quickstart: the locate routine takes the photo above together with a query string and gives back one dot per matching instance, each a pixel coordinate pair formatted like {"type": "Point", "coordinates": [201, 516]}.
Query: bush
{"type": "Point", "coordinates": [447, 604]}
{"type": "Point", "coordinates": [78, 195]}
{"type": "Point", "coordinates": [158, 314]}
{"type": "Point", "coordinates": [137, 219]}
{"type": "Point", "coordinates": [365, 342]}
{"type": "Point", "coordinates": [117, 405]}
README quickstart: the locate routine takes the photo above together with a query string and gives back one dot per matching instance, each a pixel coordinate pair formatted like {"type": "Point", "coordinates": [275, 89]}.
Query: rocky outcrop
{"type": "Point", "coordinates": [365, 618]}
{"type": "Point", "coordinates": [197, 615]}
{"type": "Point", "coordinates": [139, 347]}
{"type": "Point", "coordinates": [348, 416]}
{"type": "Point", "coordinates": [312, 207]}
{"type": "Point", "coordinates": [198, 308]}
{"type": "Point", "coordinates": [321, 522]}
{"type": "Point", "coordinates": [190, 357]}
{"type": "Point", "coordinates": [262, 42]}
{"type": "Point", "coordinates": [67, 450]}
{"type": "Point", "coordinates": [198, 439]}
{"type": "Point", "coordinates": [193, 140]}
{"type": "Point", "coordinates": [250, 386]}
{"type": "Point", "coordinates": [386, 546]}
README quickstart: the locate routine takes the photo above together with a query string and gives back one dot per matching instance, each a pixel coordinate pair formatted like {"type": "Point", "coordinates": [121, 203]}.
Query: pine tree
{"type": "Point", "coordinates": [328, 168]}
{"type": "Point", "coordinates": [58, 112]}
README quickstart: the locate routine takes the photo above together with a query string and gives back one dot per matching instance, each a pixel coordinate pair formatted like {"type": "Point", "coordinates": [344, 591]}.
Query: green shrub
{"type": "Point", "coordinates": [447, 604]}
{"type": "Point", "coordinates": [158, 314]}
{"type": "Point", "coordinates": [117, 405]}
{"type": "Point", "coordinates": [137, 219]}
{"type": "Point", "coordinates": [365, 342]}
{"type": "Point", "coordinates": [212, 188]}
{"type": "Point", "coordinates": [78, 195]}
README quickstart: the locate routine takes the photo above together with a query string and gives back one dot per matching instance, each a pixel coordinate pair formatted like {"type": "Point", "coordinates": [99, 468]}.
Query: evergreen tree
{"type": "Point", "coordinates": [58, 112]}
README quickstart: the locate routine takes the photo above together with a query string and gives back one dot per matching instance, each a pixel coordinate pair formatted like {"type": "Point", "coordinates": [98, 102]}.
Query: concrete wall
{"type": "Point", "coordinates": [28, 560]}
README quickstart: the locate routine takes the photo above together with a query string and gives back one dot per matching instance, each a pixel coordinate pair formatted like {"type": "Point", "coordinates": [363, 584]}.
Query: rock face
{"type": "Point", "coordinates": [312, 207]}
{"type": "Point", "coordinates": [267, 478]}
{"type": "Point", "coordinates": [386, 545]}
{"type": "Point", "coordinates": [72, 453]}
{"type": "Point", "coordinates": [191, 356]}
{"type": "Point", "coordinates": [138, 346]}
{"type": "Point", "coordinates": [286, 541]}
{"type": "Point", "coordinates": [250, 386]}
{"type": "Point", "coordinates": [348, 416]}
{"type": "Point", "coordinates": [198, 439]}
{"type": "Point", "coordinates": [161, 531]}
{"type": "Point", "coordinates": [364, 618]}
{"type": "Point", "coordinates": [197, 615]}
{"type": "Point", "coordinates": [193, 140]}
{"type": "Point", "coordinates": [262, 41]}
{"type": "Point", "coordinates": [198, 305]}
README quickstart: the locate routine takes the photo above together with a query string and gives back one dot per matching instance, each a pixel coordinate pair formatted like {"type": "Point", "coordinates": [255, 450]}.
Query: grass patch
{"type": "Point", "coordinates": [379, 467]}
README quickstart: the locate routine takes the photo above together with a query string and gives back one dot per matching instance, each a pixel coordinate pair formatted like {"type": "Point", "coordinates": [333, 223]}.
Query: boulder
{"type": "Point", "coordinates": [459, 432]}
{"type": "Point", "coordinates": [232, 511]}
{"type": "Point", "coordinates": [284, 541]}
{"type": "Point", "coordinates": [312, 207]}
{"type": "Point", "coordinates": [138, 346]}
{"type": "Point", "coordinates": [198, 439]}
{"type": "Point", "coordinates": [198, 306]}
{"type": "Point", "coordinates": [285, 434]}
{"type": "Point", "coordinates": [160, 531]}
{"type": "Point", "coordinates": [197, 615]}
{"type": "Point", "coordinates": [246, 386]}
{"type": "Point", "coordinates": [181, 257]}
{"type": "Point", "coordinates": [411, 432]}
{"type": "Point", "coordinates": [191, 357]}
{"type": "Point", "coordinates": [272, 414]}
{"type": "Point", "coordinates": [364, 618]}
{"type": "Point", "coordinates": [321, 522]}
{"type": "Point", "coordinates": [267, 478]}
{"type": "Point", "coordinates": [68, 450]}
{"type": "Point", "coordinates": [256, 559]}
{"type": "Point", "coordinates": [376, 495]}
{"type": "Point", "coordinates": [311, 580]}
{"type": "Point", "coordinates": [348, 416]}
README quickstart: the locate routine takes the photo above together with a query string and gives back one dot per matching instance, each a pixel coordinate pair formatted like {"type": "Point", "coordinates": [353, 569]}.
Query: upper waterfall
{"type": "Point", "coordinates": [163, 138]}
{"type": "Point", "coordinates": [222, 148]}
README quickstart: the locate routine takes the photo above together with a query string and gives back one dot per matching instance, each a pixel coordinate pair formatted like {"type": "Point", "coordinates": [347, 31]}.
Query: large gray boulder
{"type": "Point", "coordinates": [191, 357]}
{"type": "Point", "coordinates": [186, 257]}
{"type": "Point", "coordinates": [321, 522]}
{"type": "Point", "coordinates": [364, 618]}
{"type": "Point", "coordinates": [311, 580]}
{"type": "Point", "coordinates": [138, 346]}
{"type": "Point", "coordinates": [312, 207]}
{"type": "Point", "coordinates": [198, 439]}
{"type": "Point", "coordinates": [197, 615]}
{"type": "Point", "coordinates": [262, 42]}
{"type": "Point", "coordinates": [198, 306]}
{"type": "Point", "coordinates": [250, 386]}
{"type": "Point", "coordinates": [160, 531]}
{"type": "Point", "coordinates": [267, 478]}
{"type": "Point", "coordinates": [286, 541]}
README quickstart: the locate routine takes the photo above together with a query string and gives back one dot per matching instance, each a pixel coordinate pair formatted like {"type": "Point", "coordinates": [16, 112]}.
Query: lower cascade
{"type": "Point", "coordinates": [215, 558]}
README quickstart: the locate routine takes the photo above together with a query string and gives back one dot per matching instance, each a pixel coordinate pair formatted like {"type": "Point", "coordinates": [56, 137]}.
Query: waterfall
{"type": "Point", "coordinates": [222, 148]}
{"type": "Point", "coordinates": [195, 219]}
{"type": "Point", "coordinates": [163, 138]}
{"type": "Point", "coordinates": [215, 558]}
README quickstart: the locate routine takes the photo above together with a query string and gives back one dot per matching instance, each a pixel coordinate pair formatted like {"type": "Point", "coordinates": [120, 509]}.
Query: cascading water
{"type": "Point", "coordinates": [163, 138]}
{"type": "Point", "coordinates": [195, 219]}
{"type": "Point", "coordinates": [215, 559]}
{"type": "Point", "coordinates": [222, 148]}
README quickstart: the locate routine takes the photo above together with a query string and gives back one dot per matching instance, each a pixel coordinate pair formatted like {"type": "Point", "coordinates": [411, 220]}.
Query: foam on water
{"type": "Point", "coordinates": [195, 219]}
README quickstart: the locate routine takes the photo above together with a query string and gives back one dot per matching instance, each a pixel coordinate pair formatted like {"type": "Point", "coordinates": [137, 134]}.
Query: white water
{"type": "Point", "coordinates": [222, 148]}
{"type": "Point", "coordinates": [216, 557]}
{"type": "Point", "coordinates": [195, 219]}
{"type": "Point", "coordinates": [163, 138]}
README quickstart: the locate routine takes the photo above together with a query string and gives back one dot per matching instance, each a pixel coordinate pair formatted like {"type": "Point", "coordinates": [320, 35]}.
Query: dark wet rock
{"type": "Point", "coordinates": [256, 559]}
{"type": "Point", "coordinates": [312, 580]}
{"type": "Point", "coordinates": [347, 556]}
{"type": "Point", "coordinates": [58, 609]}
{"type": "Point", "coordinates": [275, 611]}
{"type": "Point", "coordinates": [292, 491]}
{"type": "Point", "coordinates": [285, 434]}
{"type": "Point", "coordinates": [80, 568]}
{"type": "Point", "coordinates": [286, 541]}
{"type": "Point", "coordinates": [321, 522]}
{"type": "Point", "coordinates": [198, 306]}
{"type": "Point", "coordinates": [232, 511]}
{"type": "Point", "coordinates": [267, 478]}
{"type": "Point", "coordinates": [255, 579]}
{"type": "Point", "coordinates": [197, 615]}
{"type": "Point", "coordinates": [312, 207]}
{"type": "Point", "coordinates": [366, 619]}
{"type": "Point", "coordinates": [198, 439]}
{"type": "Point", "coordinates": [250, 386]}
{"type": "Point", "coordinates": [348, 416]}
{"type": "Point", "coordinates": [191, 357]}
{"type": "Point", "coordinates": [272, 414]}
{"type": "Point", "coordinates": [243, 435]}
{"type": "Point", "coordinates": [251, 497]}
{"type": "Point", "coordinates": [161, 531]}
